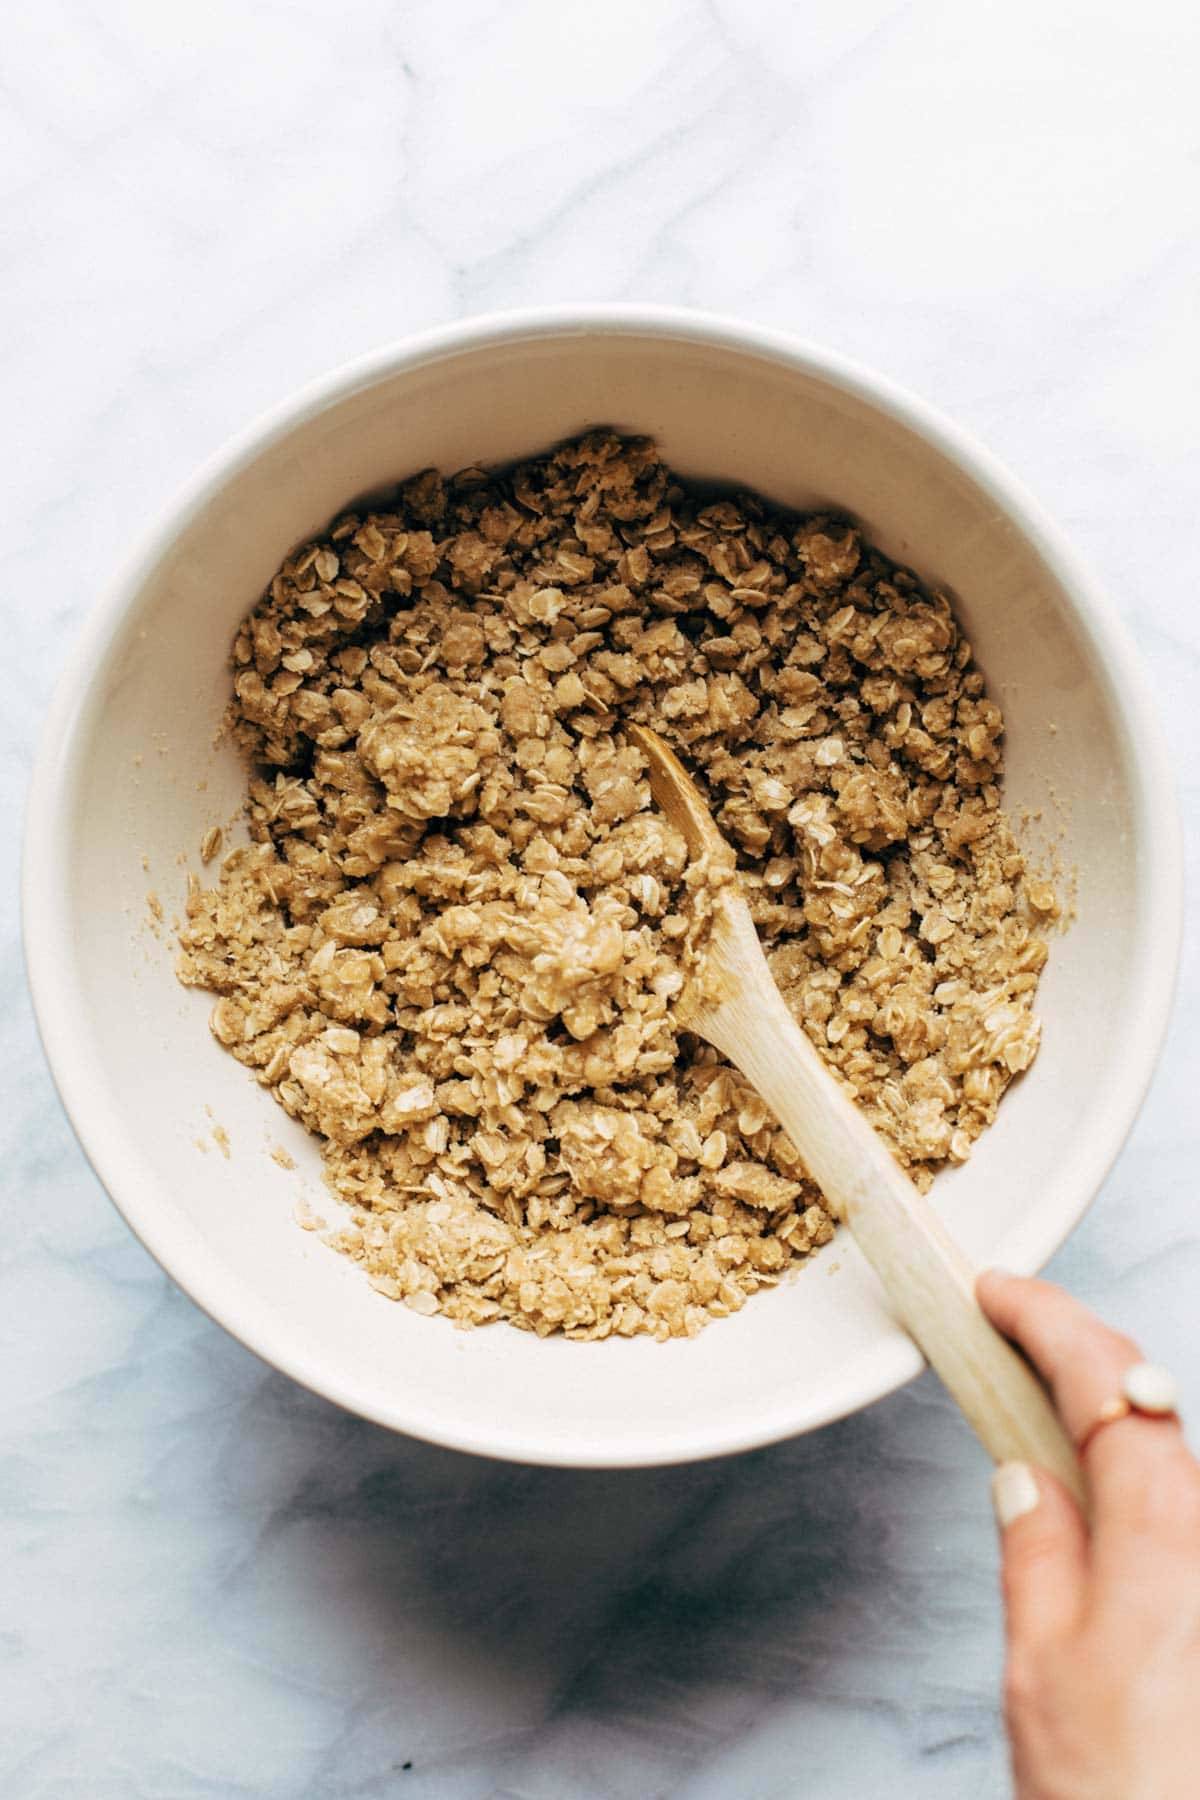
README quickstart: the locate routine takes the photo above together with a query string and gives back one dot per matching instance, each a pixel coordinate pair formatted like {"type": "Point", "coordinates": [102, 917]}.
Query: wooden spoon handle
{"type": "Point", "coordinates": [929, 1281]}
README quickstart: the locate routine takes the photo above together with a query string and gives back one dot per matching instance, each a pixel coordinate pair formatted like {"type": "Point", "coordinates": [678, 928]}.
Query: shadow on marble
{"type": "Point", "coordinates": [803, 1566]}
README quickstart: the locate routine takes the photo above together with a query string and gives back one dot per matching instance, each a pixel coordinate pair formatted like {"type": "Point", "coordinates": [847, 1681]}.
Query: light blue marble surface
{"type": "Point", "coordinates": [212, 1584]}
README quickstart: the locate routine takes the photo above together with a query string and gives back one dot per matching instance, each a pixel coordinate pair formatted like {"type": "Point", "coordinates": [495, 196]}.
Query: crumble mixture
{"type": "Point", "coordinates": [453, 946]}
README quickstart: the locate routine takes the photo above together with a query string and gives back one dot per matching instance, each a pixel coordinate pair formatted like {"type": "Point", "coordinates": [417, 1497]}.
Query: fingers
{"type": "Point", "coordinates": [1044, 1554]}
{"type": "Point", "coordinates": [1134, 1466]}
{"type": "Point", "coordinates": [1081, 1359]}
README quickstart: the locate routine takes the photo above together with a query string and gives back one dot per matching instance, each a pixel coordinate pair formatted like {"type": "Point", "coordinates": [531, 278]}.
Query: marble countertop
{"type": "Point", "coordinates": [213, 1584]}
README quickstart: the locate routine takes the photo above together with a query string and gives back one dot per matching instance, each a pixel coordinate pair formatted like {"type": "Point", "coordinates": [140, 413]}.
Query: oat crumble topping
{"type": "Point", "coordinates": [452, 947]}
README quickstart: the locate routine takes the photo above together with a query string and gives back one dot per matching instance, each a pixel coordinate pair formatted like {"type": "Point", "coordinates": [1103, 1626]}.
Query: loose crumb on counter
{"type": "Point", "coordinates": [453, 944]}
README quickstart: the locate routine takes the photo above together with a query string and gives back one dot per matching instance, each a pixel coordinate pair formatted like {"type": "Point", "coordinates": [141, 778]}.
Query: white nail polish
{"type": "Point", "coordinates": [1014, 1492]}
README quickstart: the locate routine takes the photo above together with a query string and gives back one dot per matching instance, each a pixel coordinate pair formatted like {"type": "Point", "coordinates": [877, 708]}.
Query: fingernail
{"type": "Point", "coordinates": [1014, 1492]}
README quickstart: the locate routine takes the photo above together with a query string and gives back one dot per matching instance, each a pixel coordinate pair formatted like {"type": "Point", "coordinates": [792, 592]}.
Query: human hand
{"type": "Point", "coordinates": [1102, 1683]}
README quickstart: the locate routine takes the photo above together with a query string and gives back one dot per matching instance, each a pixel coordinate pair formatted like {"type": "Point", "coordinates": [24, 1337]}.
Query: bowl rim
{"type": "Point", "coordinates": [45, 860]}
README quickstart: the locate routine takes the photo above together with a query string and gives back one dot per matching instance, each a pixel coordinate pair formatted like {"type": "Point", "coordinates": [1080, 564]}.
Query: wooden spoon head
{"type": "Point", "coordinates": [680, 799]}
{"type": "Point", "coordinates": [729, 958]}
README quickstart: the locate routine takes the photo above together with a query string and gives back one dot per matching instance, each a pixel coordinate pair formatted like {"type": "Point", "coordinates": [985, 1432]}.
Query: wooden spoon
{"type": "Point", "coordinates": [731, 999]}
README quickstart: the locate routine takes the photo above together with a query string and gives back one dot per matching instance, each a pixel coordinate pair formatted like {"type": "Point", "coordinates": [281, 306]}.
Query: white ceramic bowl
{"type": "Point", "coordinates": [128, 770]}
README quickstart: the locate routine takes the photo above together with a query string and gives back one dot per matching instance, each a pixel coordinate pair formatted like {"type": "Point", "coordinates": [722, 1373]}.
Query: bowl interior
{"type": "Point", "coordinates": [131, 781]}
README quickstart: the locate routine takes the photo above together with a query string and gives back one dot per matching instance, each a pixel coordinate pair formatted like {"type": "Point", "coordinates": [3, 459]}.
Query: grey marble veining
{"type": "Point", "coordinates": [211, 1583]}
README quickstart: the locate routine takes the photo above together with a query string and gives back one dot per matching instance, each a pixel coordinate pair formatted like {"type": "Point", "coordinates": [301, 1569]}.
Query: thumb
{"type": "Point", "coordinates": [1044, 1551]}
